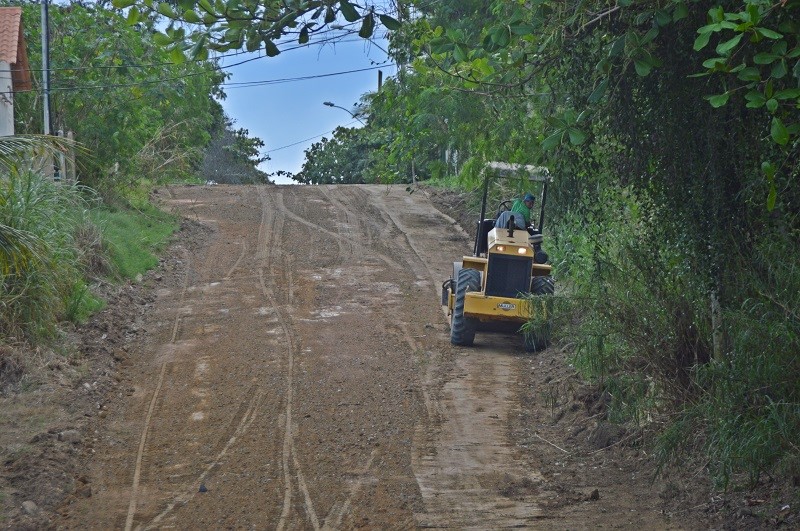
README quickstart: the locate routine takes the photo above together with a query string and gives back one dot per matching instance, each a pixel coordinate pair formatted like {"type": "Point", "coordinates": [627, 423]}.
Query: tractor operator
{"type": "Point", "coordinates": [521, 210]}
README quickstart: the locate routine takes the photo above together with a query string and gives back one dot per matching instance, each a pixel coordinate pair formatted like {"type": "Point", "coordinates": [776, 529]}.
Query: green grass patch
{"type": "Point", "coordinates": [82, 303]}
{"type": "Point", "coordinates": [134, 237]}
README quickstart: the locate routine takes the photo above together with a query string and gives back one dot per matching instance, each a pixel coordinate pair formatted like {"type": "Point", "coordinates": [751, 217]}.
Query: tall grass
{"type": "Point", "coordinates": [40, 261]}
{"type": "Point", "coordinates": [748, 418]}
{"type": "Point", "coordinates": [635, 313]}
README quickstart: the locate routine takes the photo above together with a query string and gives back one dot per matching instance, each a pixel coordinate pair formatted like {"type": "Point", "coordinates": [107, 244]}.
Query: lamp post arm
{"type": "Point", "coordinates": [331, 104]}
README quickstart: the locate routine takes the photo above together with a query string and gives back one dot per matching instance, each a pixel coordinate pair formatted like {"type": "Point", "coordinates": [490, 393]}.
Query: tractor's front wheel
{"type": "Point", "coordinates": [543, 285]}
{"type": "Point", "coordinates": [462, 328]}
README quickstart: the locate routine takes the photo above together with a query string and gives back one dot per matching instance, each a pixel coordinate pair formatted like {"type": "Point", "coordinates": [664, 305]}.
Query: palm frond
{"type": "Point", "coordinates": [17, 249]}
{"type": "Point", "coordinates": [18, 151]}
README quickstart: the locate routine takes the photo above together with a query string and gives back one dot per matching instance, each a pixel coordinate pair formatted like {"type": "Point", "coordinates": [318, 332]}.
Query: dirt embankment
{"type": "Point", "coordinates": [288, 366]}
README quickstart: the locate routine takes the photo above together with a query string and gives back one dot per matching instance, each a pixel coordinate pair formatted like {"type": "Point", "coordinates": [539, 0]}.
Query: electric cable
{"type": "Point", "coordinates": [307, 139]}
{"type": "Point", "coordinates": [218, 68]}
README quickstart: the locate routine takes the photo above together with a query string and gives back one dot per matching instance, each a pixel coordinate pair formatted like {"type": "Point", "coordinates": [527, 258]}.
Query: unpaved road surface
{"type": "Point", "coordinates": [296, 373]}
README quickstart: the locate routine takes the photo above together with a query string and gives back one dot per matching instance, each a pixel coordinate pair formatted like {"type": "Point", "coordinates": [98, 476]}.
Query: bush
{"type": "Point", "coordinates": [40, 263]}
{"type": "Point", "coordinates": [637, 310]}
{"type": "Point", "coordinates": [747, 420]}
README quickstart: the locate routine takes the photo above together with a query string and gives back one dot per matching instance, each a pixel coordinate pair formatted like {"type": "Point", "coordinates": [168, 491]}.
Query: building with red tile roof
{"type": "Point", "coordinates": [14, 68]}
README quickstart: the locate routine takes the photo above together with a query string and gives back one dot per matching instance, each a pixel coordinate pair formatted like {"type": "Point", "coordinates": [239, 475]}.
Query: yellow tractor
{"type": "Point", "coordinates": [492, 289]}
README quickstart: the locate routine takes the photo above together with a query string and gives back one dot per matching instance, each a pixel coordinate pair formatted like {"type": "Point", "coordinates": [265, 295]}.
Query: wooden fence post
{"type": "Point", "coordinates": [62, 161]}
{"type": "Point", "coordinates": [71, 168]}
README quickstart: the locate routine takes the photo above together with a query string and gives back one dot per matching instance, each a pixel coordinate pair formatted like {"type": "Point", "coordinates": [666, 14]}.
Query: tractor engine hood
{"type": "Point", "coordinates": [511, 242]}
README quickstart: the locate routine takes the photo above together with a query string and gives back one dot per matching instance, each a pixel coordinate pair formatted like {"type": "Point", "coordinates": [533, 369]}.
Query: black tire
{"type": "Point", "coordinates": [543, 285]}
{"type": "Point", "coordinates": [462, 329]}
{"type": "Point", "coordinates": [537, 337]}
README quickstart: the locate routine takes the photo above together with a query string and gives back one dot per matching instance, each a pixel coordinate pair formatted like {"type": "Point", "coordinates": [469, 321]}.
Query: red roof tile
{"type": "Point", "coordinates": [12, 46]}
{"type": "Point", "coordinates": [10, 25]}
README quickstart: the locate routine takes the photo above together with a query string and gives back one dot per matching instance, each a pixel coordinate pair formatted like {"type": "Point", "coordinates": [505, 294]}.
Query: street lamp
{"type": "Point", "coordinates": [331, 104]}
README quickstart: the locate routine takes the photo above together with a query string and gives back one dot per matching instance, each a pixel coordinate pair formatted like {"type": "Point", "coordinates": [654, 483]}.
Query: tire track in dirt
{"type": "Point", "coordinates": [341, 239]}
{"type": "Point", "coordinates": [344, 244]}
{"type": "Point", "coordinates": [362, 222]}
{"type": "Point", "coordinates": [418, 264]}
{"type": "Point", "coordinates": [340, 510]}
{"type": "Point", "coordinates": [235, 266]}
{"type": "Point", "coordinates": [148, 418]}
{"type": "Point", "coordinates": [246, 420]}
{"type": "Point", "coordinates": [433, 407]}
{"type": "Point", "coordinates": [345, 217]}
{"type": "Point", "coordinates": [269, 240]}
{"type": "Point", "coordinates": [358, 220]}
{"type": "Point", "coordinates": [356, 234]}
{"type": "Point", "coordinates": [371, 198]}
{"type": "Point", "coordinates": [347, 251]}
{"type": "Point", "coordinates": [244, 424]}
{"type": "Point", "coordinates": [344, 224]}
{"type": "Point", "coordinates": [422, 270]}
{"type": "Point", "coordinates": [249, 411]}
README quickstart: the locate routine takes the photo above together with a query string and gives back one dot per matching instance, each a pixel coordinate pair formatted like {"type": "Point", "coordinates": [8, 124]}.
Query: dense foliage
{"type": "Point", "coordinates": [47, 247]}
{"type": "Point", "coordinates": [349, 157]}
{"type": "Point", "coordinates": [232, 156]}
{"type": "Point", "coordinates": [139, 115]}
{"type": "Point", "coordinates": [198, 26]}
{"type": "Point", "coordinates": [672, 129]}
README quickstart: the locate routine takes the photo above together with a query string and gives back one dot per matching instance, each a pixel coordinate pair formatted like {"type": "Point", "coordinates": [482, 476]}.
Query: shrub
{"type": "Point", "coordinates": [40, 264]}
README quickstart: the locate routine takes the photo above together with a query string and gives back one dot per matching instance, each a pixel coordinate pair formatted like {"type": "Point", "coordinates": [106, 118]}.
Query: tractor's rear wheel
{"type": "Point", "coordinates": [543, 285]}
{"type": "Point", "coordinates": [462, 328]}
{"type": "Point", "coordinates": [537, 337]}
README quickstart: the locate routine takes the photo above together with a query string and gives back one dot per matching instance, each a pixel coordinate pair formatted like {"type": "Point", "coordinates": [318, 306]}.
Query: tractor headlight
{"type": "Point", "coordinates": [501, 248]}
{"type": "Point", "coordinates": [521, 250]}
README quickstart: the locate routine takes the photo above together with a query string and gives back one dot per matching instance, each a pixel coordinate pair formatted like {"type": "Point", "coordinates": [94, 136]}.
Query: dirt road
{"type": "Point", "coordinates": [297, 374]}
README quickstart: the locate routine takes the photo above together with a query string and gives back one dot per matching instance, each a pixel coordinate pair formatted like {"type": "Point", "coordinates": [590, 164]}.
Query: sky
{"type": "Point", "coordinates": [290, 116]}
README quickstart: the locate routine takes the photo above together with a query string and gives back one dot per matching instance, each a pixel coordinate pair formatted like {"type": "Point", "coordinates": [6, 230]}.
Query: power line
{"type": "Point", "coordinates": [246, 84]}
{"type": "Point", "coordinates": [171, 63]}
{"type": "Point", "coordinates": [218, 68]}
{"type": "Point", "coordinates": [307, 139]}
{"type": "Point", "coordinates": [243, 84]}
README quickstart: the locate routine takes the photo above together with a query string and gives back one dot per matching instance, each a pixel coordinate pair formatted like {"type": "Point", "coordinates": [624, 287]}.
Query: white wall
{"type": "Point", "coordinates": [6, 100]}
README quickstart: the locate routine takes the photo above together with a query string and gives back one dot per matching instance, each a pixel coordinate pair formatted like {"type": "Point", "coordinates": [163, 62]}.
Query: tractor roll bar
{"type": "Point", "coordinates": [505, 170]}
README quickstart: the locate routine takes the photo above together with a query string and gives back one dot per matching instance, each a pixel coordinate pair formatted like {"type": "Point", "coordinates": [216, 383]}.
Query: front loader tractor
{"type": "Point", "coordinates": [492, 289]}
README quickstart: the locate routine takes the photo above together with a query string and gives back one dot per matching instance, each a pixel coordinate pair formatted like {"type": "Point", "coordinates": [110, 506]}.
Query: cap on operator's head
{"type": "Point", "coordinates": [528, 197]}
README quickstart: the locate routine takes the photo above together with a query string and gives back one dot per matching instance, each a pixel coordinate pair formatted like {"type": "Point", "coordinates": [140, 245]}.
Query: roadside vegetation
{"type": "Point", "coordinates": [672, 129]}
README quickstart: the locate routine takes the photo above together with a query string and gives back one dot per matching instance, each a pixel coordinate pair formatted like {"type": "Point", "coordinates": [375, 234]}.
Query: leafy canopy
{"type": "Point", "coordinates": [198, 26]}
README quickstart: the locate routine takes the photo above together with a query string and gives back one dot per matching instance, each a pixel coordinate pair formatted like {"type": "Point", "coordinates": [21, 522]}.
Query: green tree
{"type": "Point", "coordinates": [343, 159]}
{"type": "Point", "coordinates": [202, 25]}
{"type": "Point", "coordinates": [139, 114]}
{"type": "Point", "coordinates": [233, 156]}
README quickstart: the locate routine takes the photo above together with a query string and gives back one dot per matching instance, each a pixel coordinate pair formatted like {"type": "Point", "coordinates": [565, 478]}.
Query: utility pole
{"type": "Point", "coordinates": [46, 65]}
